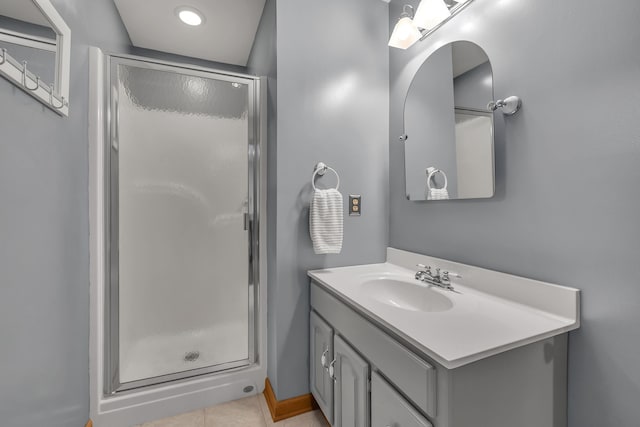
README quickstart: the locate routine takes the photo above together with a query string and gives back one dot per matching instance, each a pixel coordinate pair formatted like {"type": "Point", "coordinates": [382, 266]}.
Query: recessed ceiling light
{"type": "Point", "coordinates": [190, 16]}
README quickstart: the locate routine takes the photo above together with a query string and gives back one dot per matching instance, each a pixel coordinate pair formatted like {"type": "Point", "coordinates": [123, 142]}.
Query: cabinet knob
{"type": "Point", "coordinates": [323, 359]}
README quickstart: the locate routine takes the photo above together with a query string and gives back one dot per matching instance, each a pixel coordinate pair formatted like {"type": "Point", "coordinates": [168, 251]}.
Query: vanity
{"type": "Point", "coordinates": [389, 350]}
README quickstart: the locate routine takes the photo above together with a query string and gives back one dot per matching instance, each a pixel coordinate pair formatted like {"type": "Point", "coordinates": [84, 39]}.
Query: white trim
{"type": "Point", "coordinates": [184, 65]}
{"type": "Point", "coordinates": [28, 40]}
{"type": "Point", "coordinates": [63, 57]}
{"type": "Point", "coordinates": [137, 406]}
{"type": "Point", "coordinates": [96, 217]}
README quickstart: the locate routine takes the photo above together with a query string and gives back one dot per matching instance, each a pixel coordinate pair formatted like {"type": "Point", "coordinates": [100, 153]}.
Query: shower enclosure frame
{"type": "Point", "coordinates": [113, 402]}
{"type": "Point", "coordinates": [112, 356]}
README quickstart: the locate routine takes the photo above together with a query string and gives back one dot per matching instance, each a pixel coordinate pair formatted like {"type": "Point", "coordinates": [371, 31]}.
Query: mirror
{"type": "Point", "coordinates": [34, 51]}
{"type": "Point", "coordinates": [448, 127]}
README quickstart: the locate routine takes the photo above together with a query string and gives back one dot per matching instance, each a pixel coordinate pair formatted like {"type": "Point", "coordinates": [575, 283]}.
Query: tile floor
{"type": "Point", "coordinates": [248, 412]}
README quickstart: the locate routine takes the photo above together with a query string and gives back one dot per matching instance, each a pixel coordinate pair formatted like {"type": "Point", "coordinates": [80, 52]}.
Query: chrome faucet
{"type": "Point", "coordinates": [424, 273]}
{"type": "Point", "coordinates": [441, 280]}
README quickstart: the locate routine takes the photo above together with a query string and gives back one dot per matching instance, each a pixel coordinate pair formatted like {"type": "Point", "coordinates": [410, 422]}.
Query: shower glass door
{"type": "Point", "coordinates": [181, 209]}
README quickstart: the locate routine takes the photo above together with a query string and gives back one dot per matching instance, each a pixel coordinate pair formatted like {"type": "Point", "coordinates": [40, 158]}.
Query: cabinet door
{"type": "Point", "coordinates": [388, 408]}
{"type": "Point", "coordinates": [321, 344]}
{"type": "Point", "coordinates": [351, 387]}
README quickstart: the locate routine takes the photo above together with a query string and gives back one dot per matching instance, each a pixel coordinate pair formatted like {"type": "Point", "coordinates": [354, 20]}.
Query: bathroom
{"type": "Point", "coordinates": [334, 91]}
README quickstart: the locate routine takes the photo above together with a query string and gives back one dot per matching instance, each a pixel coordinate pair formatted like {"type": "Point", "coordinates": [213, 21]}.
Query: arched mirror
{"type": "Point", "coordinates": [448, 128]}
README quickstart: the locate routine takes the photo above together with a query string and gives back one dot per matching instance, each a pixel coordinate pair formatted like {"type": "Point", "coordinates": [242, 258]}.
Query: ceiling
{"type": "Point", "coordinates": [23, 10]}
{"type": "Point", "coordinates": [226, 35]}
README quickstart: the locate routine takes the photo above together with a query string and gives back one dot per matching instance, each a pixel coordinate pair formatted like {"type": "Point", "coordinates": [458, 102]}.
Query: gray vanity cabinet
{"type": "Point", "coordinates": [339, 377]}
{"type": "Point", "coordinates": [522, 387]}
{"type": "Point", "coordinates": [320, 355]}
{"type": "Point", "coordinates": [388, 408]}
{"type": "Point", "coordinates": [351, 387]}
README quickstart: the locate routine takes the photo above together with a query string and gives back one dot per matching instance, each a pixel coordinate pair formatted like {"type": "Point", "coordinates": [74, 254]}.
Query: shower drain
{"type": "Point", "coordinates": [191, 356]}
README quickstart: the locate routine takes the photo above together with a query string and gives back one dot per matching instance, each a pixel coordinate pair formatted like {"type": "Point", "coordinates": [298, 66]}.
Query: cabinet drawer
{"type": "Point", "coordinates": [388, 408]}
{"type": "Point", "coordinates": [409, 373]}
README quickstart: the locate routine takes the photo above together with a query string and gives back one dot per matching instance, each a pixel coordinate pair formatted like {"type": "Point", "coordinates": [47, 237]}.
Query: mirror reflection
{"type": "Point", "coordinates": [27, 36]}
{"type": "Point", "coordinates": [448, 128]}
{"type": "Point", "coordinates": [35, 51]}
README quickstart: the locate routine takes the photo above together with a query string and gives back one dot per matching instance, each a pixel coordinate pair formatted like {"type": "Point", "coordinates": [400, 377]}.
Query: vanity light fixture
{"type": "Point", "coordinates": [405, 33]}
{"type": "Point", "coordinates": [430, 13]}
{"type": "Point", "coordinates": [429, 16]}
{"type": "Point", "coordinates": [190, 16]}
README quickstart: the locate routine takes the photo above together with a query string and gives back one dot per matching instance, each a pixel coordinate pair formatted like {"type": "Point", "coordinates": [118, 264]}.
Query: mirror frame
{"type": "Point", "coordinates": [58, 99]}
{"type": "Point", "coordinates": [404, 137]}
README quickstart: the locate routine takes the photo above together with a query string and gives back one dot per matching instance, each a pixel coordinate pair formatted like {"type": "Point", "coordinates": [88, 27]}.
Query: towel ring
{"type": "Point", "coordinates": [431, 174]}
{"type": "Point", "coordinates": [321, 169]}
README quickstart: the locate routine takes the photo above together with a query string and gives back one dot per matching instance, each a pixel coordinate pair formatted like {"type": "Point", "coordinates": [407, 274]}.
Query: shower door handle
{"type": "Point", "coordinates": [248, 226]}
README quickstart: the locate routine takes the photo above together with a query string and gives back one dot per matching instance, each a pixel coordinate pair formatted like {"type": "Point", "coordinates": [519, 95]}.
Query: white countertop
{"type": "Point", "coordinates": [492, 312]}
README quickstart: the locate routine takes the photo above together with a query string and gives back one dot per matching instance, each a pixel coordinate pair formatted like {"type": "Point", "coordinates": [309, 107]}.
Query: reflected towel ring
{"type": "Point", "coordinates": [431, 173]}
{"type": "Point", "coordinates": [321, 169]}
{"type": "Point", "coordinates": [3, 58]}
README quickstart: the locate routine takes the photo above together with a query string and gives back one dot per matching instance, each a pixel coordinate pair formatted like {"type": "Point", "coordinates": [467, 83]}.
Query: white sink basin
{"type": "Point", "coordinates": [406, 295]}
{"type": "Point", "coordinates": [489, 312]}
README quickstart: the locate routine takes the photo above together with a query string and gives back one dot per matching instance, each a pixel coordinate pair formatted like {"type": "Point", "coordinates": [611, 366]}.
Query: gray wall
{"type": "Point", "coordinates": [44, 226]}
{"type": "Point", "coordinates": [566, 208]}
{"type": "Point", "coordinates": [263, 62]}
{"type": "Point", "coordinates": [429, 122]}
{"type": "Point", "coordinates": [332, 107]}
{"type": "Point", "coordinates": [470, 89]}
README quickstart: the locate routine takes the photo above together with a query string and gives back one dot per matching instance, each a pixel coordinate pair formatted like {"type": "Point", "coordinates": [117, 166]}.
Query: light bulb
{"type": "Point", "coordinates": [190, 16]}
{"type": "Point", "coordinates": [430, 13]}
{"type": "Point", "coordinates": [404, 31]}
{"type": "Point", "coordinates": [404, 34]}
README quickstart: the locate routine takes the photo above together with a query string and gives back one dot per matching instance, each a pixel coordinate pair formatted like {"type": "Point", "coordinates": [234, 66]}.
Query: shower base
{"type": "Point", "coordinates": [158, 355]}
{"type": "Point", "coordinates": [137, 406]}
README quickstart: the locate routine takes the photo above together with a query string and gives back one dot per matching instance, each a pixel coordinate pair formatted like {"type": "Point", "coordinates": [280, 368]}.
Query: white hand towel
{"type": "Point", "coordinates": [438, 194]}
{"type": "Point", "coordinates": [325, 221]}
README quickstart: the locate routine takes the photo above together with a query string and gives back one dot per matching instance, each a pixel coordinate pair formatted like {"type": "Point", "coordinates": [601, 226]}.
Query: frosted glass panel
{"type": "Point", "coordinates": [182, 144]}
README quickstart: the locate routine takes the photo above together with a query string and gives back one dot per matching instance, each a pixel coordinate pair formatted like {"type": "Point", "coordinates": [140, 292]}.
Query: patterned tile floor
{"type": "Point", "coordinates": [248, 412]}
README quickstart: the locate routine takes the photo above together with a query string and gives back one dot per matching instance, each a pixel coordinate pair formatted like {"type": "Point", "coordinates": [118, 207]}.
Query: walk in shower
{"type": "Point", "coordinates": [180, 164]}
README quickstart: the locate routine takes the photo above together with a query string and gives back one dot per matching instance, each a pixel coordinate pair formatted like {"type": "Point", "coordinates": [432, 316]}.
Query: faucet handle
{"type": "Point", "coordinates": [425, 268]}
{"type": "Point", "coordinates": [446, 279]}
{"type": "Point", "coordinates": [452, 274]}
